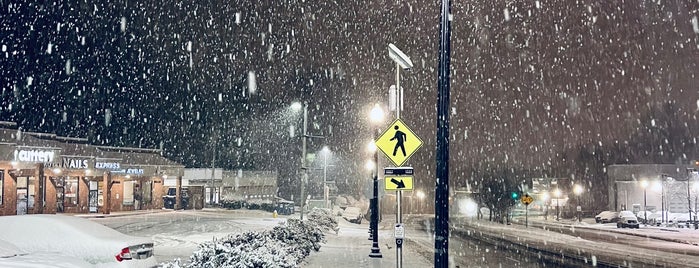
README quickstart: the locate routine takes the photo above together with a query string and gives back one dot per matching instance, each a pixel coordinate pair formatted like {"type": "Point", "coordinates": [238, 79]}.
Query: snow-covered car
{"type": "Point", "coordinates": [353, 215]}
{"type": "Point", "coordinates": [627, 222]}
{"type": "Point", "coordinates": [626, 213]}
{"type": "Point", "coordinates": [679, 218]}
{"type": "Point", "coordinates": [607, 216]}
{"type": "Point", "coordinates": [77, 237]}
{"type": "Point", "coordinates": [11, 256]}
{"type": "Point", "coordinates": [657, 217]}
{"type": "Point", "coordinates": [643, 215]}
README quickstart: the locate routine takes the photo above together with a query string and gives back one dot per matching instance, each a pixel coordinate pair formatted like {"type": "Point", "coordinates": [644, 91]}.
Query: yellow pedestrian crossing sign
{"type": "Point", "coordinates": [398, 142]}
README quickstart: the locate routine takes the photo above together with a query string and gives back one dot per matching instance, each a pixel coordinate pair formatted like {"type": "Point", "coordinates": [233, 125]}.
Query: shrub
{"type": "Point", "coordinates": [286, 245]}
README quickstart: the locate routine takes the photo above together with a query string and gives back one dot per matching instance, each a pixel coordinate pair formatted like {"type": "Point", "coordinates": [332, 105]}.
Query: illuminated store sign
{"type": "Point", "coordinates": [40, 156]}
{"type": "Point", "coordinates": [70, 163]}
{"type": "Point", "coordinates": [73, 163]}
{"type": "Point", "coordinates": [107, 165]}
{"type": "Point", "coordinates": [130, 171]}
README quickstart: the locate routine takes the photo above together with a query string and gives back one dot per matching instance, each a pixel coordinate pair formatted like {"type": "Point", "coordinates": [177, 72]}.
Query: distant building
{"type": "Point", "coordinates": [207, 179]}
{"type": "Point", "coordinates": [249, 185]}
{"type": "Point", "coordinates": [668, 183]}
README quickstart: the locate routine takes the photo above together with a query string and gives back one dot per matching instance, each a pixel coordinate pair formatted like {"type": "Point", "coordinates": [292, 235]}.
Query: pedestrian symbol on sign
{"type": "Point", "coordinates": [400, 139]}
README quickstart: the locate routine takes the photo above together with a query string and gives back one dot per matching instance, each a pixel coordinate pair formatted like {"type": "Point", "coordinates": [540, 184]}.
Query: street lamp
{"type": "Point", "coordinates": [557, 194]}
{"type": "Point", "coordinates": [326, 191]}
{"type": "Point", "coordinates": [403, 62]}
{"type": "Point", "coordinates": [658, 186]}
{"type": "Point", "coordinates": [578, 191]}
{"type": "Point", "coordinates": [304, 179]}
{"type": "Point", "coordinates": [644, 184]}
{"type": "Point", "coordinates": [420, 196]}
{"type": "Point", "coordinates": [376, 117]}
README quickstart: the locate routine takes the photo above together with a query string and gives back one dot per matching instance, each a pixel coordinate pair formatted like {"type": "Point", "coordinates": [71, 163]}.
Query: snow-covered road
{"type": "Point", "coordinates": [176, 234]}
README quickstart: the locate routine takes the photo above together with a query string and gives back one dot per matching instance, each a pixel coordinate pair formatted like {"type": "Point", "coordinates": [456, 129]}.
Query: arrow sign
{"type": "Point", "coordinates": [399, 184]}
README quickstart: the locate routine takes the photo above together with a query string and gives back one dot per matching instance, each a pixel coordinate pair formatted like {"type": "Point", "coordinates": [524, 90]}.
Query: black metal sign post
{"type": "Point", "coordinates": [441, 209]}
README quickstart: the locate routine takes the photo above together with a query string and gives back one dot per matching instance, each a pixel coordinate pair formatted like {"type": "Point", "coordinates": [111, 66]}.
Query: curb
{"type": "Point", "coordinates": [120, 214]}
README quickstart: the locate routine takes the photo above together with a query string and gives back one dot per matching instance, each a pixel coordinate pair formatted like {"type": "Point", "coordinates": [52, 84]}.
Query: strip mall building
{"type": "Point", "coordinates": [46, 174]}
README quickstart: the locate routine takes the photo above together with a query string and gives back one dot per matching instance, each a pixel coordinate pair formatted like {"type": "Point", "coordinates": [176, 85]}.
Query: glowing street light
{"type": "Point", "coordinates": [376, 115]}
{"type": "Point", "coordinates": [420, 196]}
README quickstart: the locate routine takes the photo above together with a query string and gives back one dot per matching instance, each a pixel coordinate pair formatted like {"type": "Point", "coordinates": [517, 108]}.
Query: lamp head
{"type": "Point", "coordinates": [399, 57]}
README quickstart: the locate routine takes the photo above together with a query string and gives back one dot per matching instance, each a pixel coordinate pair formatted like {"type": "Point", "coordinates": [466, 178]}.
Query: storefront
{"type": "Point", "coordinates": [45, 174]}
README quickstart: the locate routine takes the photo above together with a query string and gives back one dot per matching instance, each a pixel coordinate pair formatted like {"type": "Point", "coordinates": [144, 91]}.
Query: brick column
{"type": "Point", "coordinates": [39, 197]}
{"type": "Point", "coordinates": [178, 192]}
{"type": "Point", "coordinates": [107, 192]}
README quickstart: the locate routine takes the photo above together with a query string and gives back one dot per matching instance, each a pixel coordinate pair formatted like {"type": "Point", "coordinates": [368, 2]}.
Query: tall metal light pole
{"type": "Point", "coordinates": [402, 62]}
{"type": "Point", "coordinates": [644, 184]}
{"type": "Point", "coordinates": [304, 168]}
{"type": "Point", "coordinates": [376, 117]}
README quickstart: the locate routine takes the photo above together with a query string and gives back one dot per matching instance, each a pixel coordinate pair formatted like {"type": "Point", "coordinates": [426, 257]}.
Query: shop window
{"type": "Point", "coordinates": [71, 190]}
{"type": "Point", "coordinates": [26, 192]}
{"type": "Point", "coordinates": [147, 190]}
{"type": "Point", "coordinates": [128, 192]}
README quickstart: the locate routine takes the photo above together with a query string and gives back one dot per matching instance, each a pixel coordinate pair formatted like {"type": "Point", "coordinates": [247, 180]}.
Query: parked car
{"type": "Point", "coordinates": [679, 218]}
{"type": "Point", "coordinates": [353, 215]}
{"type": "Point", "coordinates": [11, 256]}
{"type": "Point", "coordinates": [607, 217]}
{"type": "Point", "coordinates": [627, 222]}
{"type": "Point", "coordinates": [643, 215]}
{"type": "Point", "coordinates": [657, 217]}
{"type": "Point", "coordinates": [626, 213]}
{"type": "Point", "coordinates": [77, 237]}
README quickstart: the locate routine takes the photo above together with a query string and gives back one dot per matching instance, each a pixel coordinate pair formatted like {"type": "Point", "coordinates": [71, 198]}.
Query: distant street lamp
{"type": "Point", "coordinates": [377, 117]}
{"type": "Point", "coordinates": [326, 191]}
{"type": "Point", "coordinates": [545, 199]}
{"type": "Point", "coordinates": [577, 189]}
{"type": "Point", "coordinates": [557, 194]}
{"type": "Point", "coordinates": [658, 186]}
{"type": "Point", "coordinates": [304, 179]}
{"type": "Point", "coordinates": [644, 184]}
{"type": "Point", "coordinates": [420, 196]}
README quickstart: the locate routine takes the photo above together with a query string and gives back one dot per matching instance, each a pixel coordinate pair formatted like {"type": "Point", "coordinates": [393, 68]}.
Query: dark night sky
{"type": "Point", "coordinates": [531, 80]}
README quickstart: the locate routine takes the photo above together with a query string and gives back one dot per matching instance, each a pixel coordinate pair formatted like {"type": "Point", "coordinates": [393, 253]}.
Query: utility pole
{"type": "Point", "coordinates": [441, 236]}
{"type": "Point", "coordinates": [213, 169]}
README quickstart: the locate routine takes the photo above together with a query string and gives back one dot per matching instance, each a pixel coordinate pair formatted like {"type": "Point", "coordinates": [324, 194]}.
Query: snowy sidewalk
{"type": "Point", "coordinates": [351, 248]}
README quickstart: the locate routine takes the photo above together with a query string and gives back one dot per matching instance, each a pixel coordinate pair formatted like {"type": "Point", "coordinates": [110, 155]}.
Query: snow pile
{"type": "Point", "coordinates": [286, 245]}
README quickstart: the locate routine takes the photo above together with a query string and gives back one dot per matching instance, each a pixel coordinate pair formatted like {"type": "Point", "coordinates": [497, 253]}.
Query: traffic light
{"type": "Point", "coordinates": [515, 195]}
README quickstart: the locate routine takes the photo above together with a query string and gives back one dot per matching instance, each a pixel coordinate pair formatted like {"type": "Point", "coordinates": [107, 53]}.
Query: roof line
{"type": "Point", "coordinates": [132, 149]}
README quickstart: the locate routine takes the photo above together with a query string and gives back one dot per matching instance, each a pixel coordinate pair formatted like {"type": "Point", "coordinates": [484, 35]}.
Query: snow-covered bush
{"type": "Point", "coordinates": [286, 245]}
{"type": "Point", "coordinates": [324, 218]}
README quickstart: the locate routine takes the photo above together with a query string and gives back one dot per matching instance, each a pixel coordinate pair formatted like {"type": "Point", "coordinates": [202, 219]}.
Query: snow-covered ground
{"type": "Point", "coordinates": [630, 254]}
